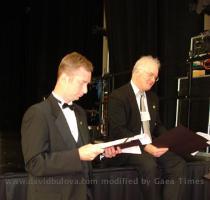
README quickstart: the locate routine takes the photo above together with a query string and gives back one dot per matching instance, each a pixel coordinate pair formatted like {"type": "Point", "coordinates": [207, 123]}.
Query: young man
{"type": "Point", "coordinates": [134, 109]}
{"type": "Point", "coordinates": [55, 137]}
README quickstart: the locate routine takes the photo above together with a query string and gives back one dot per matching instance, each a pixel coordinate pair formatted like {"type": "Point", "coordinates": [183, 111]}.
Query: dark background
{"type": "Point", "coordinates": [35, 35]}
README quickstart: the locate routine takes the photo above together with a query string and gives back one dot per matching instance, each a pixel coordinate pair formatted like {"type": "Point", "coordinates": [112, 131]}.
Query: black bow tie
{"type": "Point", "coordinates": [65, 105]}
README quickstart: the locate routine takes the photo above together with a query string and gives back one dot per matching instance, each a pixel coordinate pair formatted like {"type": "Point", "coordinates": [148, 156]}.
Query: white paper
{"type": "Point", "coordinates": [133, 150]}
{"type": "Point", "coordinates": [194, 153]}
{"type": "Point", "coordinates": [204, 135]}
{"type": "Point", "coordinates": [143, 138]}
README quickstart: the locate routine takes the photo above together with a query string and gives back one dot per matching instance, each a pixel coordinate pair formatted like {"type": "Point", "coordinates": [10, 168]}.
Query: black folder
{"type": "Point", "coordinates": [181, 140]}
{"type": "Point", "coordinates": [129, 144]}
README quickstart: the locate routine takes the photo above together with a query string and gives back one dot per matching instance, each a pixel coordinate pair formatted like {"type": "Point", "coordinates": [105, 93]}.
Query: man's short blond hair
{"type": "Point", "coordinates": [73, 61]}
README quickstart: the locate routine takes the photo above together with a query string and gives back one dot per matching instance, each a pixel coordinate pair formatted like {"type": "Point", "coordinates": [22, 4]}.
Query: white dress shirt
{"type": "Point", "coordinates": [70, 117]}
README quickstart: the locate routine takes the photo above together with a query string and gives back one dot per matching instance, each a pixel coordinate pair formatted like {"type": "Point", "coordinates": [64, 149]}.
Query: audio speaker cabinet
{"type": "Point", "coordinates": [199, 103]}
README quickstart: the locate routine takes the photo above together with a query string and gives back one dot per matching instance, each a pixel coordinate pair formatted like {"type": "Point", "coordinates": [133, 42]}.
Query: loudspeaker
{"type": "Point", "coordinates": [200, 87]}
{"type": "Point", "coordinates": [196, 114]}
{"type": "Point", "coordinates": [199, 114]}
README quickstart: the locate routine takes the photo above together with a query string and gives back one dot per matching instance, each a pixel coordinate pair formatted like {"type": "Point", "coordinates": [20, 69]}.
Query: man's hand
{"type": "Point", "coordinates": [155, 151]}
{"type": "Point", "coordinates": [110, 152]}
{"type": "Point", "coordinates": [90, 151]}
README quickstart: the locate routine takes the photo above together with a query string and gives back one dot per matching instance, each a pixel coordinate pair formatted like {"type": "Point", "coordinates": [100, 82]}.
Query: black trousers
{"type": "Point", "coordinates": [159, 178]}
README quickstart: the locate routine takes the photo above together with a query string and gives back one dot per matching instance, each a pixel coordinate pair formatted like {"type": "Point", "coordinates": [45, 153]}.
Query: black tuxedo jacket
{"type": "Point", "coordinates": [51, 153]}
{"type": "Point", "coordinates": [124, 116]}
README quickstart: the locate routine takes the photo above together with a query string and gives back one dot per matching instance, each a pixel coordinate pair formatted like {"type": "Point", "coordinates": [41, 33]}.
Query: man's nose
{"type": "Point", "coordinates": [85, 89]}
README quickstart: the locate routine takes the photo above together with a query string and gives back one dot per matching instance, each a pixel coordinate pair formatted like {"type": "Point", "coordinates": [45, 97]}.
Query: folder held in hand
{"type": "Point", "coordinates": [181, 140]}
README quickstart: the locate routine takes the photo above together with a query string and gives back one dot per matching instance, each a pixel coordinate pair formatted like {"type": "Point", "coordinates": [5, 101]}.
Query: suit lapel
{"type": "Point", "coordinates": [61, 122]}
{"type": "Point", "coordinates": [81, 124]}
{"type": "Point", "coordinates": [65, 131]}
{"type": "Point", "coordinates": [136, 118]}
{"type": "Point", "coordinates": [151, 106]}
{"type": "Point", "coordinates": [133, 103]}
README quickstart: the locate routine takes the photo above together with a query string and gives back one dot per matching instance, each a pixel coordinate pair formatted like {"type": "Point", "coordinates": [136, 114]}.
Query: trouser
{"type": "Point", "coordinates": [160, 178]}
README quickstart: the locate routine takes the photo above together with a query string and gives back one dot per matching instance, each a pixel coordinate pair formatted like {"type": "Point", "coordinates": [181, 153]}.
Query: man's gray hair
{"type": "Point", "coordinates": [145, 61]}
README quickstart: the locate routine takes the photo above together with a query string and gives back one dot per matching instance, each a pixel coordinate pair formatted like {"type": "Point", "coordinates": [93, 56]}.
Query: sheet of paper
{"type": "Point", "coordinates": [133, 150]}
{"type": "Point", "coordinates": [204, 135]}
{"type": "Point", "coordinates": [194, 153]}
{"type": "Point", "coordinates": [143, 138]}
{"type": "Point", "coordinates": [133, 146]}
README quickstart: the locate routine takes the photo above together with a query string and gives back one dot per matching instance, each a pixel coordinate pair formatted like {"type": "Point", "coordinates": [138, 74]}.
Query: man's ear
{"type": "Point", "coordinates": [63, 79]}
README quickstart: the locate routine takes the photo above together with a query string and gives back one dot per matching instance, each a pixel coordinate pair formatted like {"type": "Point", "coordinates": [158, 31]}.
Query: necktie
{"type": "Point", "coordinates": [65, 105]}
{"type": "Point", "coordinates": [71, 119]}
{"type": "Point", "coordinates": [146, 125]}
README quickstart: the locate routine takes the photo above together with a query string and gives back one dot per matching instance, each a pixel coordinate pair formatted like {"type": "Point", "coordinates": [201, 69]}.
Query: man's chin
{"type": "Point", "coordinates": [147, 88]}
{"type": "Point", "coordinates": [77, 98]}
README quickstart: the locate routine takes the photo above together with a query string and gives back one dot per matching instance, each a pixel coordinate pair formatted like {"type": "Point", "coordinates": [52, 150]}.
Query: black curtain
{"type": "Point", "coordinates": [160, 28]}
{"type": "Point", "coordinates": [35, 35]}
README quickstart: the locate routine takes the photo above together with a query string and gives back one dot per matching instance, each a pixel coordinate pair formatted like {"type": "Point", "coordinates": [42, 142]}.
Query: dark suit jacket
{"type": "Point", "coordinates": [125, 120]}
{"type": "Point", "coordinates": [51, 154]}
{"type": "Point", "coordinates": [124, 117]}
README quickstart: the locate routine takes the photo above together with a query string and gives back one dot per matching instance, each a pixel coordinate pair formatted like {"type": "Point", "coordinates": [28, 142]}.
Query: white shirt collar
{"type": "Point", "coordinates": [60, 99]}
{"type": "Point", "coordinates": [136, 89]}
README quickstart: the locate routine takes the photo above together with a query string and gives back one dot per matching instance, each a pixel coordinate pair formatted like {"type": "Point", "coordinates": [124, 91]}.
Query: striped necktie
{"type": "Point", "coordinates": [146, 125]}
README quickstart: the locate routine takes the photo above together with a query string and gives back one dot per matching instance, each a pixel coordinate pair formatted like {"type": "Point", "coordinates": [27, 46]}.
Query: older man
{"type": "Point", "coordinates": [134, 109]}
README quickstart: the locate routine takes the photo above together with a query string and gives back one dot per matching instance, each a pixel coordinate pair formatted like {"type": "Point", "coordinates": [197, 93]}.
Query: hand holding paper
{"type": "Point", "coordinates": [128, 145]}
{"type": "Point", "coordinates": [110, 152]}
